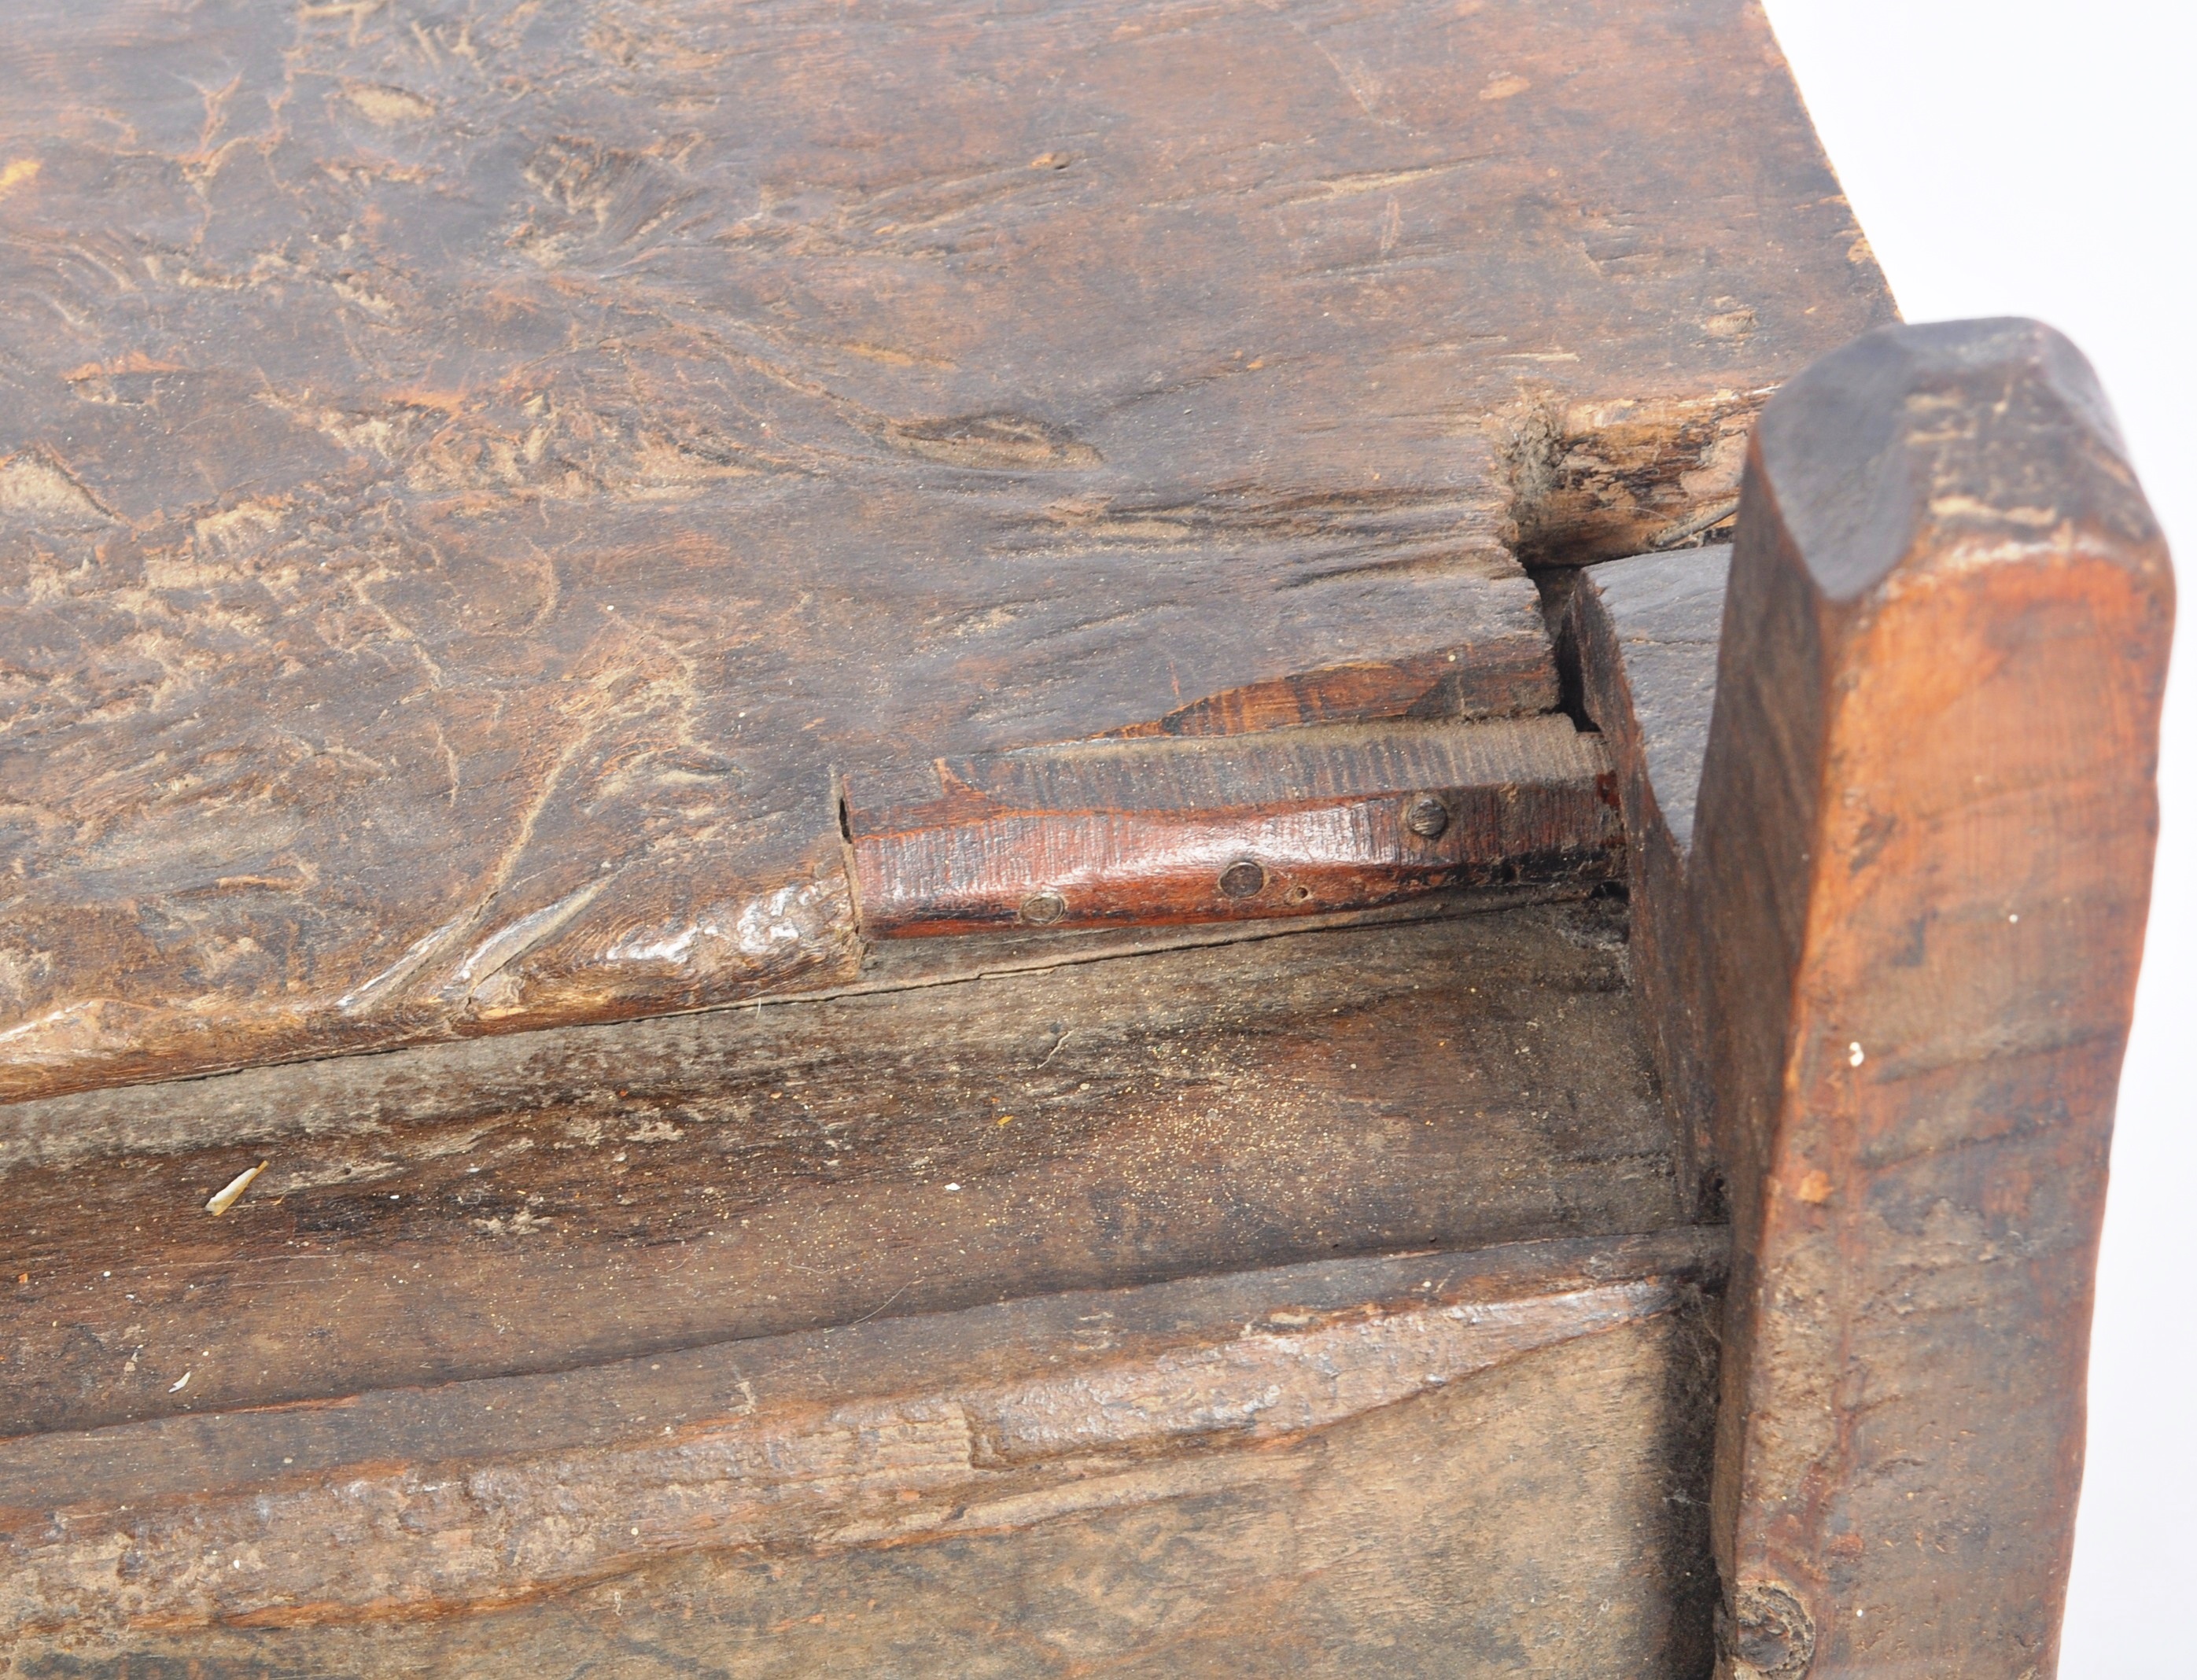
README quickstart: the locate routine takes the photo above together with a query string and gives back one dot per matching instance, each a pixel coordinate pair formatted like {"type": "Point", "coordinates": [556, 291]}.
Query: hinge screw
{"type": "Point", "coordinates": [1427, 817]}
{"type": "Point", "coordinates": [1242, 878]}
{"type": "Point", "coordinates": [1043, 909]}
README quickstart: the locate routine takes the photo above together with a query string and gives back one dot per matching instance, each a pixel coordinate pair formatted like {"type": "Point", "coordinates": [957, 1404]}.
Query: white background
{"type": "Point", "coordinates": [2009, 157]}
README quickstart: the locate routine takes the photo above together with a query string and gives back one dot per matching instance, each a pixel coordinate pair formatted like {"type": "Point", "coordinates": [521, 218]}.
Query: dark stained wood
{"type": "Point", "coordinates": [1278, 823]}
{"type": "Point", "coordinates": [1640, 635]}
{"type": "Point", "coordinates": [584, 1194]}
{"type": "Point", "coordinates": [1304, 1402]}
{"type": "Point", "coordinates": [1921, 859]}
{"type": "Point", "coordinates": [467, 479]}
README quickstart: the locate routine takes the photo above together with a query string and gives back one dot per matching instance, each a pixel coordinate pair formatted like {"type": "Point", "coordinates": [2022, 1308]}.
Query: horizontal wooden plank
{"type": "Point", "coordinates": [428, 1501]}
{"type": "Point", "coordinates": [1544, 1517]}
{"type": "Point", "coordinates": [591, 1193]}
{"type": "Point", "coordinates": [1279, 824]}
{"type": "Point", "coordinates": [465, 483]}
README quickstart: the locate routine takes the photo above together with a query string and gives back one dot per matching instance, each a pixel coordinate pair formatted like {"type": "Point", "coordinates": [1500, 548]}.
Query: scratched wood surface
{"type": "Point", "coordinates": [1413, 1466]}
{"type": "Point", "coordinates": [469, 475]}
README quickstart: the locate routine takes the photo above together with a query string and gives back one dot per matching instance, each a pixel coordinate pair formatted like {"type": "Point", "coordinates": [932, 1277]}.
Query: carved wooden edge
{"type": "Point", "coordinates": [407, 1502]}
{"type": "Point", "coordinates": [1920, 876]}
{"type": "Point", "coordinates": [1639, 640]}
{"type": "Point", "coordinates": [1288, 822]}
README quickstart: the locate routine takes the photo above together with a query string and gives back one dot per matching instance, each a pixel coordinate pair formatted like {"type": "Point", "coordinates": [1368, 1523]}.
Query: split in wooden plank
{"type": "Point", "coordinates": [1285, 823]}
{"type": "Point", "coordinates": [1922, 862]}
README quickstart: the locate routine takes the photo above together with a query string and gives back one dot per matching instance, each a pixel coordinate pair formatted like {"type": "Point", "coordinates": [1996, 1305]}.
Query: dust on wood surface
{"type": "Point", "coordinates": [466, 481]}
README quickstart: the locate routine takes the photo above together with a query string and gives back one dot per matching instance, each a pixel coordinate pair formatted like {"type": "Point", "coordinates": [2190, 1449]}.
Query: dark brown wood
{"type": "Point", "coordinates": [1280, 823]}
{"type": "Point", "coordinates": [1922, 860]}
{"type": "Point", "coordinates": [1242, 1403]}
{"type": "Point", "coordinates": [585, 1195]}
{"type": "Point", "coordinates": [1640, 637]}
{"type": "Point", "coordinates": [466, 481]}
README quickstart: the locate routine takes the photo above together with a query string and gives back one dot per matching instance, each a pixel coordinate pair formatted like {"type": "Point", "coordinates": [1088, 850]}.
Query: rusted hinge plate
{"type": "Point", "coordinates": [1291, 822]}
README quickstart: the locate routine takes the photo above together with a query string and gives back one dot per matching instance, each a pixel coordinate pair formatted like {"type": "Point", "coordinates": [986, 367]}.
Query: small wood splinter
{"type": "Point", "coordinates": [226, 1197]}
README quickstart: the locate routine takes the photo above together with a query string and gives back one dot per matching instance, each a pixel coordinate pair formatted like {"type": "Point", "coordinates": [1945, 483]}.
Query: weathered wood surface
{"type": "Point", "coordinates": [467, 479]}
{"type": "Point", "coordinates": [1279, 824]}
{"type": "Point", "coordinates": [1640, 636]}
{"type": "Point", "coordinates": [1922, 860]}
{"type": "Point", "coordinates": [528, 1204]}
{"type": "Point", "coordinates": [1252, 1432]}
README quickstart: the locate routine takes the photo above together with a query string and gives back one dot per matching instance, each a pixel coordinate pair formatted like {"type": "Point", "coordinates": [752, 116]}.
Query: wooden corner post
{"type": "Point", "coordinates": [1923, 858]}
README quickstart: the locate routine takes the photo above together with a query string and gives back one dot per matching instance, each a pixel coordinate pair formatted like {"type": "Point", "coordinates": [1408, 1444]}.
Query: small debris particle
{"type": "Point", "coordinates": [1854, 1057]}
{"type": "Point", "coordinates": [177, 1386]}
{"type": "Point", "coordinates": [1006, 1119]}
{"type": "Point", "coordinates": [1815, 1189]}
{"type": "Point", "coordinates": [226, 1197]}
{"type": "Point", "coordinates": [952, 1186]}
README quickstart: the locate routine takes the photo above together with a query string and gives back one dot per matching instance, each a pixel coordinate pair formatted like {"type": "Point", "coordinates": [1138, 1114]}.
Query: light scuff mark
{"type": "Point", "coordinates": [764, 931]}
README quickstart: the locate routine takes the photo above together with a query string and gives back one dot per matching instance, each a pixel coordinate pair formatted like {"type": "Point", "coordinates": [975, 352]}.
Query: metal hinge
{"type": "Point", "coordinates": [1287, 822]}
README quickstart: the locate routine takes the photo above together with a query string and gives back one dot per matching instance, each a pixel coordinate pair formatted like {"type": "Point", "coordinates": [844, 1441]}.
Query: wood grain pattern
{"type": "Point", "coordinates": [1642, 636]}
{"type": "Point", "coordinates": [594, 1194]}
{"type": "Point", "coordinates": [1031, 1416]}
{"type": "Point", "coordinates": [1286, 823]}
{"type": "Point", "coordinates": [1543, 1519]}
{"type": "Point", "coordinates": [1923, 858]}
{"type": "Point", "coordinates": [466, 478]}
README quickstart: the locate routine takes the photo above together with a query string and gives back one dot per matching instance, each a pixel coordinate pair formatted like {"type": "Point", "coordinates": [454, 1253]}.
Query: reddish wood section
{"type": "Point", "coordinates": [1291, 822]}
{"type": "Point", "coordinates": [1920, 866]}
{"type": "Point", "coordinates": [468, 475]}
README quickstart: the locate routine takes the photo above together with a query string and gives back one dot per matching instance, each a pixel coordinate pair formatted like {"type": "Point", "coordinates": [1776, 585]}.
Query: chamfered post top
{"type": "Point", "coordinates": [1954, 443]}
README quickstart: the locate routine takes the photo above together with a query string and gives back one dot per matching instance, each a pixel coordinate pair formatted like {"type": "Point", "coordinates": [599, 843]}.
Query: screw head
{"type": "Point", "coordinates": [1426, 817]}
{"type": "Point", "coordinates": [1766, 1632]}
{"type": "Point", "coordinates": [1242, 878]}
{"type": "Point", "coordinates": [1043, 909]}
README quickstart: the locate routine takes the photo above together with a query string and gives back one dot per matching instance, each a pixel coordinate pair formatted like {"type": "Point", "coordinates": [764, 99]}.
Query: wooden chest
{"type": "Point", "coordinates": [949, 839]}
